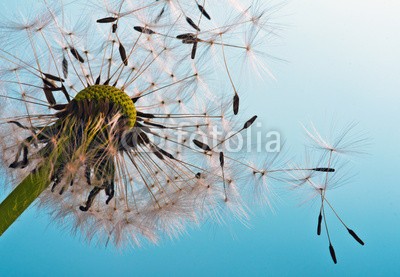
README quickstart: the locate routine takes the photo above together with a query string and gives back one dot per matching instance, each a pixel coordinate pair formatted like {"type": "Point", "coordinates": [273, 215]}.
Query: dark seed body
{"type": "Point", "coordinates": [24, 162]}
{"type": "Point", "coordinates": [155, 125]}
{"type": "Point", "coordinates": [114, 27]}
{"type": "Point", "coordinates": [54, 78]}
{"type": "Point", "coordinates": [319, 224]}
{"type": "Point", "coordinates": [236, 104]}
{"type": "Point", "coordinates": [49, 83]}
{"type": "Point", "coordinates": [324, 169]}
{"type": "Point", "coordinates": [19, 124]}
{"type": "Point", "coordinates": [194, 49]}
{"type": "Point", "coordinates": [49, 96]}
{"type": "Point", "coordinates": [76, 55]}
{"type": "Point", "coordinates": [65, 67]}
{"type": "Point", "coordinates": [354, 235]}
{"type": "Point", "coordinates": [249, 122]}
{"type": "Point", "coordinates": [203, 11]}
{"type": "Point", "coordinates": [59, 107]}
{"type": "Point", "coordinates": [145, 115]}
{"type": "Point", "coordinates": [221, 159]}
{"type": "Point", "coordinates": [165, 153]}
{"type": "Point", "coordinates": [88, 175]}
{"type": "Point", "coordinates": [110, 191]}
{"type": "Point", "coordinates": [62, 191]}
{"type": "Point", "coordinates": [159, 15]}
{"type": "Point", "coordinates": [144, 30]}
{"type": "Point", "coordinates": [122, 53]}
{"type": "Point", "coordinates": [158, 154]}
{"type": "Point", "coordinates": [191, 23]}
{"type": "Point", "coordinates": [65, 92]}
{"type": "Point", "coordinates": [107, 20]}
{"type": "Point", "coordinates": [143, 138]}
{"type": "Point", "coordinates": [190, 41]}
{"type": "Point", "coordinates": [333, 254]}
{"type": "Point", "coordinates": [57, 177]}
{"type": "Point", "coordinates": [53, 88]}
{"type": "Point", "coordinates": [143, 128]}
{"type": "Point", "coordinates": [90, 199]}
{"type": "Point", "coordinates": [186, 36]}
{"type": "Point", "coordinates": [201, 145]}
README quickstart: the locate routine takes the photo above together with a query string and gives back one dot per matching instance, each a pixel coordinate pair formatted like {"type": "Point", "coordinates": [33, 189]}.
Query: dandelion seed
{"type": "Point", "coordinates": [201, 145]}
{"type": "Point", "coordinates": [54, 78]}
{"type": "Point", "coordinates": [236, 104]}
{"type": "Point", "coordinates": [159, 15]}
{"type": "Point", "coordinates": [107, 20]}
{"type": "Point", "coordinates": [122, 53]}
{"type": "Point", "coordinates": [187, 37]}
{"type": "Point", "coordinates": [59, 107]}
{"type": "Point", "coordinates": [194, 49]}
{"type": "Point", "coordinates": [191, 23]}
{"type": "Point", "coordinates": [354, 235]}
{"type": "Point", "coordinates": [319, 223]}
{"type": "Point", "coordinates": [221, 159]}
{"type": "Point", "coordinates": [203, 11]}
{"type": "Point", "coordinates": [324, 169]}
{"type": "Point", "coordinates": [49, 96]}
{"type": "Point", "coordinates": [65, 67]}
{"type": "Point", "coordinates": [144, 30]}
{"type": "Point", "coordinates": [114, 28]}
{"type": "Point", "coordinates": [19, 125]}
{"type": "Point", "coordinates": [249, 122]}
{"type": "Point", "coordinates": [49, 83]}
{"type": "Point", "coordinates": [333, 254]}
{"type": "Point", "coordinates": [76, 55]}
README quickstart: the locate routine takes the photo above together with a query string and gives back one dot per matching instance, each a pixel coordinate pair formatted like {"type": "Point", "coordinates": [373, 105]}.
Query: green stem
{"type": "Point", "coordinates": [23, 196]}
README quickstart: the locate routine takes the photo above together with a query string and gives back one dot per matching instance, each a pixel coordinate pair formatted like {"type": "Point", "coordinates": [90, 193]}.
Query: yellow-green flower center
{"type": "Point", "coordinates": [113, 95]}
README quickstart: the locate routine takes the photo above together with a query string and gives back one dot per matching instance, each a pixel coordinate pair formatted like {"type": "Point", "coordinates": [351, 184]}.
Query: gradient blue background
{"type": "Point", "coordinates": [344, 63]}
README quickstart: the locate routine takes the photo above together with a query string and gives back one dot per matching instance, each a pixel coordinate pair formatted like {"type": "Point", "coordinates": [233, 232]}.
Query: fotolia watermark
{"type": "Point", "coordinates": [185, 136]}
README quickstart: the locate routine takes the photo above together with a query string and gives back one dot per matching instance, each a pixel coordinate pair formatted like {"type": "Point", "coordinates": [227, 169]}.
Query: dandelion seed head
{"type": "Point", "coordinates": [121, 104]}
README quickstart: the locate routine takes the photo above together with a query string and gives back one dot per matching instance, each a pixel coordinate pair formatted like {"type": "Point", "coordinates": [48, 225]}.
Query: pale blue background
{"type": "Point", "coordinates": [344, 63]}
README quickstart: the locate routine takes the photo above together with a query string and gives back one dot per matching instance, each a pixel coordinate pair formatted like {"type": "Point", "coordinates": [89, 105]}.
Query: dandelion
{"type": "Point", "coordinates": [109, 122]}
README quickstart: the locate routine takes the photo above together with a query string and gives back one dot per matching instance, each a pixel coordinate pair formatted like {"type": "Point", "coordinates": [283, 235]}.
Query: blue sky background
{"type": "Point", "coordinates": [343, 64]}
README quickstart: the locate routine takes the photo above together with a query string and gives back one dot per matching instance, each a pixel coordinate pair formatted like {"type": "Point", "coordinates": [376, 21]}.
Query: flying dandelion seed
{"type": "Point", "coordinates": [108, 121]}
{"type": "Point", "coordinates": [329, 173]}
